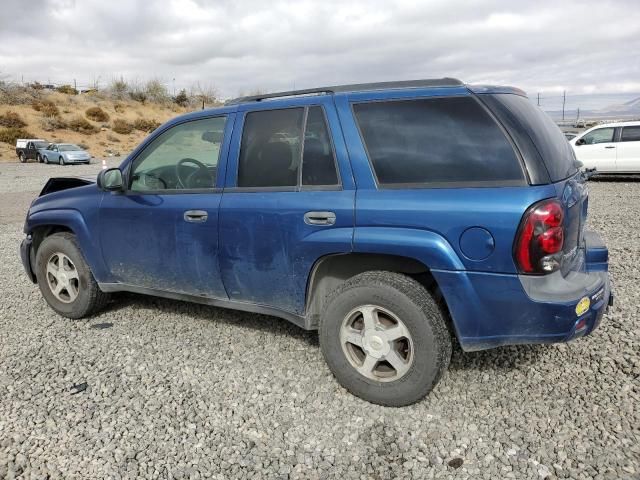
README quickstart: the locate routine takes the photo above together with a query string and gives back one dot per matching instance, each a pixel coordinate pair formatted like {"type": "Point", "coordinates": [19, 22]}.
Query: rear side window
{"type": "Point", "coordinates": [630, 134]}
{"type": "Point", "coordinates": [600, 135]}
{"type": "Point", "coordinates": [275, 147]}
{"type": "Point", "coordinates": [436, 141]}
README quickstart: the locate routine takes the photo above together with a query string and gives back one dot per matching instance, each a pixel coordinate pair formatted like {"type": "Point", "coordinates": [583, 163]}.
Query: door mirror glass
{"type": "Point", "coordinates": [580, 141]}
{"type": "Point", "coordinates": [110, 180]}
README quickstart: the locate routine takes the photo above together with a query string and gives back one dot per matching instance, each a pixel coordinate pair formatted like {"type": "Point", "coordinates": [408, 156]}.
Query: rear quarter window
{"type": "Point", "coordinates": [450, 141]}
{"type": "Point", "coordinates": [528, 123]}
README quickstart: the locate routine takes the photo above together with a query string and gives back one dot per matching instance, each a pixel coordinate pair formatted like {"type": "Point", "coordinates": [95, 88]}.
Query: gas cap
{"type": "Point", "coordinates": [477, 243]}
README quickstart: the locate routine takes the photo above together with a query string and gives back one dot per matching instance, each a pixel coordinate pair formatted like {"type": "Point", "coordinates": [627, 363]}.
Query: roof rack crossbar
{"type": "Point", "coordinates": [438, 82]}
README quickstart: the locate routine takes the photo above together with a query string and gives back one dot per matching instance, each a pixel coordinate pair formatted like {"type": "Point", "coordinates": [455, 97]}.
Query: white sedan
{"type": "Point", "coordinates": [610, 148]}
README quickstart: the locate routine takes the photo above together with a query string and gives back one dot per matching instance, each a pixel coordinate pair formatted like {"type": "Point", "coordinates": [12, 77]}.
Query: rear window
{"type": "Point", "coordinates": [533, 123]}
{"type": "Point", "coordinates": [436, 141]}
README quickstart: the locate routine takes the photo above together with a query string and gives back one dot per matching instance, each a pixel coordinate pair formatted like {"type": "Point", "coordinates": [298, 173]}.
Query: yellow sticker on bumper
{"type": "Point", "coordinates": [583, 305]}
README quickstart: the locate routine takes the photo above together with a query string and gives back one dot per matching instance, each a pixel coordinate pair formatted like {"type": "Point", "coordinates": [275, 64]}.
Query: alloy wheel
{"type": "Point", "coordinates": [377, 343]}
{"type": "Point", "coordinates": [62, 278]}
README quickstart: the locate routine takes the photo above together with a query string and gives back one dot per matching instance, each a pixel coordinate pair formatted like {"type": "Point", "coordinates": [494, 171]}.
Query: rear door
{"type": "Point", "coordinates": [598, 150]}
{"type": "Point", "coordinates": [628, 148]}
{"type": "Point", "coordinates": [288, 200]}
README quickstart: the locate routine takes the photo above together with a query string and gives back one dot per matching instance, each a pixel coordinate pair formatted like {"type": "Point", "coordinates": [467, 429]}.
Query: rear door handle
{"type": "Point", "coordinates": [611, 146]}
{"type": "Point", "coordinates": [320, 218]}
{"type": "Point", "coordinates": [195, 216]}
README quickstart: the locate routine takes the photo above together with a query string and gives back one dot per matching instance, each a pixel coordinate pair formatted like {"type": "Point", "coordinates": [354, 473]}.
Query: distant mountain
{"type": "Point", "coordinates": [630, 107]}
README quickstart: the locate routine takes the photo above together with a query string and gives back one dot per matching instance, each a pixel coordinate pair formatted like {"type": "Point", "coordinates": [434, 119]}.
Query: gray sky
{"type": "Point", "coordinates": [583, 46]}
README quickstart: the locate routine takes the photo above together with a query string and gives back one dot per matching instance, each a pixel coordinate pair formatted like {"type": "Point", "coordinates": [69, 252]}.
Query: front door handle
{"type": "Point", "coordinates": [195, 216]}
{"type": "Point", "coordinates": [611, 146]}
{"type": "Point", "coordinates": [320, 218]}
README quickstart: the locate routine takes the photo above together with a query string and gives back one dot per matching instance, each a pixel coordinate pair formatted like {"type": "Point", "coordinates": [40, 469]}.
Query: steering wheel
{"type": "Point", "coordinates": [185, 182]}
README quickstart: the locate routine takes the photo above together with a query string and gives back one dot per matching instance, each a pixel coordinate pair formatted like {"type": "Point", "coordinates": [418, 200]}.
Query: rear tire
{"type": "Point", "coordinates": [417, 356]}
{"type": "Point", "coordinates": [64, 278]}
{"type": "Point", "coordinates": [39, 158]}
{"type": "Point", "coordinates": [22, 158]}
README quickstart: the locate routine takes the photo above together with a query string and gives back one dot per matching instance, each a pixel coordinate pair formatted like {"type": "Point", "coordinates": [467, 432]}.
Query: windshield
{"type": "Point", "coordinates": [68, 147]}
{"type": "Point", "coordinates": [40, 144]}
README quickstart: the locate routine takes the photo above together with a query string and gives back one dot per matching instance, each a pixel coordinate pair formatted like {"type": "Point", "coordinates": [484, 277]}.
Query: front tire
{"type": "Point", "coordinates": [64, 278]}
{"type": "Point", "coordinates": [61, 160]}
{"type": "Point", "coordinates": [46, 160]}
{"type": "Point", "coordinates": [384, 338]}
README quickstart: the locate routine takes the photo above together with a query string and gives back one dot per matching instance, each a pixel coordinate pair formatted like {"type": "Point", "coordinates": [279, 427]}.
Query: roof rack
{"type": "Point", "coordinates": [435, 82]}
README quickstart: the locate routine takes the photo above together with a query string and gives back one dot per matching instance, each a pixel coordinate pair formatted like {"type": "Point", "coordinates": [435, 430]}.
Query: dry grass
{"type": "Point", "coordinates": [51, 115]}
{"type": "Point", "coordinates": [97, 114]}
{"type": "Point", "coordinates": [12, 120]}
{"type": "Point", "coordinates": [121, 126]}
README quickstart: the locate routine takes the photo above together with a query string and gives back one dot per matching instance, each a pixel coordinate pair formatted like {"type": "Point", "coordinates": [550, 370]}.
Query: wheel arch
{"type": "Point", "coordinates": [332, 270]}
{"type": "Point", "coordinates": [44, 224]}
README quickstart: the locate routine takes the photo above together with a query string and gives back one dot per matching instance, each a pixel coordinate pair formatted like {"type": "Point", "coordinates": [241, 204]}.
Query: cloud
{"type": "Point", "coordinates": [240, 45]}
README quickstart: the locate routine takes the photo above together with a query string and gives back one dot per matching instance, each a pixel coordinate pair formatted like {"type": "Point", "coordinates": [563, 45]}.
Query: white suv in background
{"type": "Point", "coordinates": [610, 148]}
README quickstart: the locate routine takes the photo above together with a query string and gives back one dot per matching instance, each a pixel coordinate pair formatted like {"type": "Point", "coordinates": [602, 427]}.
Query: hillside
{"type": "Point", "coordinates": [117, 126]}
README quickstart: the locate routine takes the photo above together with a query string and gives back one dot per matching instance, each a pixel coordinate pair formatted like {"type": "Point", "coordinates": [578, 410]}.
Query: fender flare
{"type": "Point", "coordinates": [74, 221]}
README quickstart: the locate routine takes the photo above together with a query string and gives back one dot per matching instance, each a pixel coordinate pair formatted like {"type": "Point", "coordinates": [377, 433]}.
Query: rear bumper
{"type": "Point", "coordinates": [490, 310]}
{"type": "Point", "coordinates": [25, 256]}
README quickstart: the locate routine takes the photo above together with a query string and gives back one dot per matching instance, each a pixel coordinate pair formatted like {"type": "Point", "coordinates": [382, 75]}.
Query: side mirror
{"type": "Point", "coordinates": [212, 137]}
{"type": "Point", "coordinates": [110, 180]}
{"type": "Point", "coordinates": [580, 141]}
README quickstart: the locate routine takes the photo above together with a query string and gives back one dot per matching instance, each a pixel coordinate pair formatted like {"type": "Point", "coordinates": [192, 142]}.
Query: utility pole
{"type": "Point", "coordinates": [578, 115]}
{"type": "Point", "coordinates": [538, 98]}
{"type": "Point", "coordinates": [75, 87]}
{"type": "Point", "coordinates": [564, 100]}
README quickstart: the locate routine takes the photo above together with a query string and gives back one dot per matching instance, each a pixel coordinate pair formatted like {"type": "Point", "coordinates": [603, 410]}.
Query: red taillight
{"type": "Point", "coordinates": [540, 238]}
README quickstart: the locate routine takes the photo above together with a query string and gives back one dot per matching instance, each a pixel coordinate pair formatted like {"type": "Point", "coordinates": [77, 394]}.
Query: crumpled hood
{"type": "Point", "coordinates": [63, 183]}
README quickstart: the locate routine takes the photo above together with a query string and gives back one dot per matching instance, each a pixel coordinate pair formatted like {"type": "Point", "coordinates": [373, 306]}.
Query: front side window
{"type": "Point", "coordinates": [630, 134]}
{"type": "Point", "coordinates": [277, 144]}
{"type": "Point", "coordinates": [601, 135]}
{"type": "Point", "coordinates": [185, 157]}
{"type": "Point", "coordinates": [436, 141]}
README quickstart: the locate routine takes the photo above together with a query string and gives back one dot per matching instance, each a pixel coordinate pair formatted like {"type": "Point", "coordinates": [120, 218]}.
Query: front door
{"type": "Point", "coordinates": [289, 200]}
{"type": "Point", "coordinates": [162, 233]}
{"type": "Point", "coordinates": [598, 150]}
{"type": "Point", "coordinates": [629, 150]}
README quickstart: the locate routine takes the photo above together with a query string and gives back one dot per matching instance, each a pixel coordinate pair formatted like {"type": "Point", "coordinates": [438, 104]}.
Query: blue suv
{"type": "Point", "coordinates": [391, 217]}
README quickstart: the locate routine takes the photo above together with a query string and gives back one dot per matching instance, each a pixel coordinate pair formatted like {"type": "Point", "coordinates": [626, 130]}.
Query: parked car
{"type": "Point", "coordinates": [610, 148]}
{"type": "Point", "coordinates": [570, 135]}
{"type": "Point", "coordinates": [391, 217]}
{"type": "Point", "coordinates": [27, 148]}
{"type": "Point", "coordinates": [64, 153]}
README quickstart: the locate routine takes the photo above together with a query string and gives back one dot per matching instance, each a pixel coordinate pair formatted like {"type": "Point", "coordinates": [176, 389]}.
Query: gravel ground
{"type": "Point", "coordinates": [172, 390]}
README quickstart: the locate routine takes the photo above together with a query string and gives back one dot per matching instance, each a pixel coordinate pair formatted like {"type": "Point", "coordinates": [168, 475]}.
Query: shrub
{"type": "Point", "coordinates": [145, 125]}
{"type": "Point", "coordinates": [182, 99]}
{"type": "Point", "coordinates": [82, 125]}
{"type": "Point", "coordinates": [113, 138]}
{"type": "Point", "coordinates": [67, 89]}
{"type": "Point", "coordinates": [11, 134]}
{"type": "Point", "coordinates": [46, 107]}
{"type": "Point", "coordinates": [12, 120]}
{"type": "Point", "coordinates": [122, 126]}
{"type": "Point", "coordinates": [138, 96]}
{"type": "Point", "coordinates": [119, 89]}
{"type": "Point", "coordinates": [97, 114]}
{"type": "Point", "coordinates": [156, 91]}
{"type": "Point", "coordinates": [49, 124]}
{"type": "Point", "coordinates": [119, 107]}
